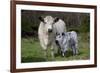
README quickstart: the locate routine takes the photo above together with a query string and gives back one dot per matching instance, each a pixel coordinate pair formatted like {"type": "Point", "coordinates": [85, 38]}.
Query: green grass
{"type": "Point", "coordinates": [31, 51]}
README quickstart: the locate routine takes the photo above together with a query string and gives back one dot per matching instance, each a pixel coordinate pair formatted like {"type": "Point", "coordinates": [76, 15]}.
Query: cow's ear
{"type": "Point", "coordinates": [41, 19]}
{"type": "Point", "coordinates": [56, 19]}
{"type": "Point", "coordinates": [63, 34]}
{"type": "Point", "coordinates": [56, 33]}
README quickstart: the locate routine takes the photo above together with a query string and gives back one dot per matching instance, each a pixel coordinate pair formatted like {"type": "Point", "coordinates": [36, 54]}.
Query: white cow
{"type": "Point", "coordinates": [67, 40]}
{"type": "Point", "coordinates": [47, 30]}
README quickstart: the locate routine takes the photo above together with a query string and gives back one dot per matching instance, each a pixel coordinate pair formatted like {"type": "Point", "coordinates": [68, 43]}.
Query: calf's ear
{"type": "Point", "coordinates": [41, 19]}
{"type": "Point", "coordinates": [56, 20]}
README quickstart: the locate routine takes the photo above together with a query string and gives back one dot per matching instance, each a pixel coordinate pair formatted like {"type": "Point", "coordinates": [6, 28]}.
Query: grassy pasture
{"type": "Point", "coordinates": [31, 50]}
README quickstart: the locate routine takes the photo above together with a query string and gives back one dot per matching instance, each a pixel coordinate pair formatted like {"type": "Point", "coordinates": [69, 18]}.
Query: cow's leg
{"type": "Point", "coordinates": [55, 48]}
{"type": "Point", "coordinates": [45, 54]}
{"type": "Point", "coordinates": [73, 45]}
{"type": "Point", "coordinates": [74, 49]}
{"type": "Point", "coordinates": [45, 50]}
{"type": "Point", "coordinates": [52, 51]}
{"type": "Point", "coordinates": [63, 54]}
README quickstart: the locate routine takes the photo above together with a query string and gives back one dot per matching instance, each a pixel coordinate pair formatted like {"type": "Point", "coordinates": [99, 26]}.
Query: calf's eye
{"type": "Point", "coordinates": [59, 36]}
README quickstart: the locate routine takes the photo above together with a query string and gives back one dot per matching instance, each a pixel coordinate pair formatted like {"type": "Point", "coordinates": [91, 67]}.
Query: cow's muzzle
{"type": "Point", "coordinates": [49, 30]}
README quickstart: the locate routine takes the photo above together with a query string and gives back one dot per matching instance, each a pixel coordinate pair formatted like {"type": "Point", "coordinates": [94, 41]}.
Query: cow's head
{"type": "Point", "coordinates": [48, 22]}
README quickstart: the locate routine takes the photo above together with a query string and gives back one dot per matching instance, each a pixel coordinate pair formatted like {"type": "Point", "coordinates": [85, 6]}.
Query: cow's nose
{"type": "Point", "coordinates": [49, 30]}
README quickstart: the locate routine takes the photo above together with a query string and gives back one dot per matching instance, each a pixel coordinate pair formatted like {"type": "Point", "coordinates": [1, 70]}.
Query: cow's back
{"type": "Point", "coordinates": [59, 27]}
{"type": "Point", "coordinates": [73, 35]}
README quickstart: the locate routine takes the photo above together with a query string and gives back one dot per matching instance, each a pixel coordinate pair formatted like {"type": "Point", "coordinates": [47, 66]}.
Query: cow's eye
{"type": "Point", "coordinates": [53, 23]}
{"type": "Point", "coordinates": [44, 22]}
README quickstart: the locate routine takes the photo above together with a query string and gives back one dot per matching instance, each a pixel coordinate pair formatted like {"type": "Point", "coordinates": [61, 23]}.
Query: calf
{"type": "Point", "coordinates": [67, 40]}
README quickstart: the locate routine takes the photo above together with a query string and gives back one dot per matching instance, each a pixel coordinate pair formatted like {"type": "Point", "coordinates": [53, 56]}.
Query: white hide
{"type": "Point", "coordinates": [59, 27]}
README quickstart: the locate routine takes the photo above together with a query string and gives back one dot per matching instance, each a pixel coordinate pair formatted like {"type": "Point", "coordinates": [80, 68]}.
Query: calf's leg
{"type": "Point", "coordinates": [75, 50]}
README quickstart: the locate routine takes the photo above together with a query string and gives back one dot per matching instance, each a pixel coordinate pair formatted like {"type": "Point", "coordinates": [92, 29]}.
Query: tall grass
{"type": "Point", "coordinates": [31, 50]}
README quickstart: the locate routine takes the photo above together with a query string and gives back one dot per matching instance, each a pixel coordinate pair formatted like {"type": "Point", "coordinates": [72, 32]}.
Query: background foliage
{"type": "Point", "coordinates": [78, 22]}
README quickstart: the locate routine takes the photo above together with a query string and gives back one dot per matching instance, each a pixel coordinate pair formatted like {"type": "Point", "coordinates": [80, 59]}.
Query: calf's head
{"type": "Point", "coordinates": [48, 22]}
{"type": "Point", "coordinates": [59, 38]}
{"type": "Point", "coordinates": [61, 42]}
